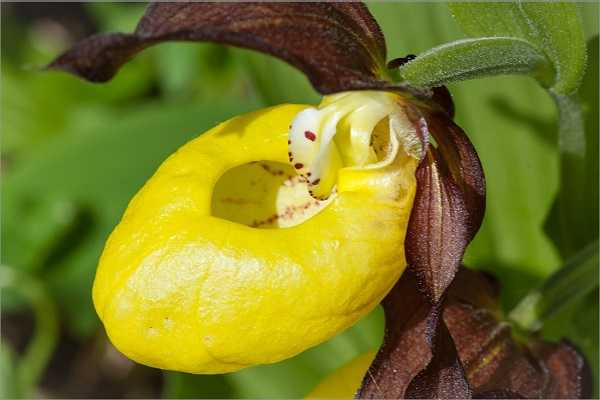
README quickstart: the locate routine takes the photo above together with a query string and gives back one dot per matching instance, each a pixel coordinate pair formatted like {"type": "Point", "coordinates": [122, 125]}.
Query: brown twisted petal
{"type": "Point", "coordinates": [461, 158]}
{"type": "Point", "coordinates": [449, 203]}
{"type": "Point", "coordinates": [448, 340]}
{"type": "Point", "coordinates": [494, 361]}
{"type": "Point", "coordinates": [339, 46]}
{"type": "Point", "coordinates": [418, 357]}
{"type": "Point", "coordinates": [444, 377]}
{"type": "Point", "coordinates": [570, 372]}
{"type": "Point", "coordinates": [406, 348]}
{"type": "Point", "coordinates": [447, 211]}
{"type": "Point", "coordinates": [437, 230]}
{"type": "Point", "coordinates": [498, 394]}
{"type": "Point", "coordinates": [479, 358]}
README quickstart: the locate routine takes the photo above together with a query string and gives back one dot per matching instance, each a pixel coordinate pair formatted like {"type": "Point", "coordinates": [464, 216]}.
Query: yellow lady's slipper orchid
{"type": "Point", "coordinates": [263, 237]}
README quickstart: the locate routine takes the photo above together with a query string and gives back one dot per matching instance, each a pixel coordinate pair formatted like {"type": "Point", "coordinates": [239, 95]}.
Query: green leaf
{"type": "Point", "coordinates": [8, 380]}
{"type": "Point", "coordinates": [558, 31]}
{"type": "Point", "coordinates": [553, 27]}
{"type": "Point", "coordinates": [476, 58]}
{"type": "Point", "coordinates": [54, 100]}
{"type": "Point", "coordinates": [573, 281]}
{"type": "Point", "coordinates": [489, 19]}
{"type": "Point", "coordinates": [32, 363]}
{"type": "Point", "coordinates": [573, 221]}
{"type": "Point", "coordinates": [276, 81]}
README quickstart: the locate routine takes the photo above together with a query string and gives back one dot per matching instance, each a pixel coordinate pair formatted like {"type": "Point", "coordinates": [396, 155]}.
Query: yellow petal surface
{"type": "Point", "coordinates": [190, 281]}
{"type": "Point", "coordinates": [344, 382]}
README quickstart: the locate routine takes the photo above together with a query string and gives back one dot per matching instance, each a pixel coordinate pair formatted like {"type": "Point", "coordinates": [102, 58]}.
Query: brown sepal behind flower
{"type": "Point", "coordinates": [441, 96]}
{"type": "Point", "coordinates": [494, 361]}
{"type": "Point", "coordinates": [480, 357]}
{"type": "Point", "coordinates": [417, 358]}
{"type": "Point", "coordinates": [339, 46]}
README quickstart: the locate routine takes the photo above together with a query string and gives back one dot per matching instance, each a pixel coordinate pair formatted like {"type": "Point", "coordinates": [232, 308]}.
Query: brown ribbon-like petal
{"type": "Point", "coordinates": [461, 158]}
{"type": "Point", "coordinates": [448, 339]}
{"type": "Point", "coordinates": [449, 203]}
{"type": "Point", "coordinates": [468, 352]}
{"type": "Point", "coordinates": [447, 211]}
{"type": "Point", "coordinates": [571, 375]}
{"type": "Point", "coordinates": [339, 46]}
{"type": "Point", "coordinates": [437, 230]}
{"type": "Point", "coordinates": [444, 377]}
{"type": "Point", "coordinates": [494, 361]}
{"type": "Point", "coordinates": [417, 358]}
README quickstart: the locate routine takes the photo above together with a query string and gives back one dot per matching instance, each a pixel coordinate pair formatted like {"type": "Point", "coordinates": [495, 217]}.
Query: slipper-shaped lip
{"type": "Point", "coordinates": [178, 288]}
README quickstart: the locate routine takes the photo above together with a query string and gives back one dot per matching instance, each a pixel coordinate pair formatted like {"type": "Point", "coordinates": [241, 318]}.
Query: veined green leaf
{"type": "Point", "coordinates": [555, 28]}
{"type": "Point", "coordinates": [475, 58]}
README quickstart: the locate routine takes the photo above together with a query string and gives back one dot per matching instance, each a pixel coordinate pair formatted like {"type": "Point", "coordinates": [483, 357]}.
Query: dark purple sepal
{"type": "Point", "coordinates": [339, 46]}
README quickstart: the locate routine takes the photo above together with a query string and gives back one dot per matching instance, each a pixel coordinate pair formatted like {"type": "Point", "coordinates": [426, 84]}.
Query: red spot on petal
{"type": "Point", "coordinates": [310, 135]}
{"type": "Point", "coordinates": [298, 165]}
{"type": "Point", "coordinates": [289, 141]}
{"type": "Point", "coordinates": [316, 182]}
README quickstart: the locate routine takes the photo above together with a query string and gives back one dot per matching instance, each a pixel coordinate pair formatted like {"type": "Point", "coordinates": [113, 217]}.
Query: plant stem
{"type": "Point", "coordinates": [571, 196]}
{"type": "Point", "coordinates": [571, 282]}
{"type": "Point", "coordinates": [40, 348]}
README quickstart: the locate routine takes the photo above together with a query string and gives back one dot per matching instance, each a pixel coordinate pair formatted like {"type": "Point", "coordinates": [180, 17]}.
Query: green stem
{"type": "Point", "coordinates": [40, 348]}
{"type": "Point", "coordinates": [573, 281]}
{"type": "Point", "coordinates": [571, 196]}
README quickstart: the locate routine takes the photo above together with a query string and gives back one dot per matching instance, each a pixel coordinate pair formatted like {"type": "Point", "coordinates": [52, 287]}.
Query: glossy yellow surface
{"type": "Point", "coordinates": [343, 383]}
{"type": "Point", "coordinates": [183, 286]}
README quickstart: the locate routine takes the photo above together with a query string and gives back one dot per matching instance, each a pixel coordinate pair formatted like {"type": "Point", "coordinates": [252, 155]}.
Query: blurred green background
{"type": "Point", "coordinates": [74, 153]}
